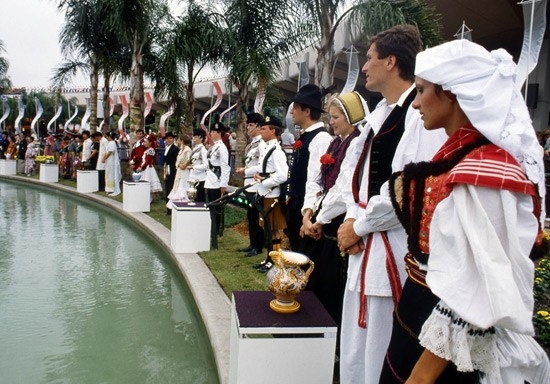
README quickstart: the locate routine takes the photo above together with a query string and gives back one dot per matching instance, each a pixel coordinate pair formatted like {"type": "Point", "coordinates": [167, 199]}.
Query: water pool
{"type": "Point", "coordinates": [87, 298]}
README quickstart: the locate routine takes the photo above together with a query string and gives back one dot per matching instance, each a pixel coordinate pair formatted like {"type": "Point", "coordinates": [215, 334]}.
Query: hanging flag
{"type": "Point", "coordinates": [108, 118]}
{"type": "Point", "coordinates": [66, 126]}
{"type": "Point", "coordinates": [6, 109]}
{"type": "Point", "coordinates": [125, 112]}
{"type": "Point", "coordinates": [353, 70]}
{"type": "Point", "coordinates": [163, 118]}
{"type": "Point", "coordinates": [56, 116]}
{"type": "Point", "coordinates": [21, 110]}
{"type": "Point", "coordinates": [303, 74]}
{"type": "Point", "coordinates": [39, 112]}
{"type": "Point", "coordinates": [219, 97]}
{"type": "Point", "coordinates": [84, 121]}
{"type": "Point", "coordinates": [534, 25]}
{"type": "Point", "coordinates": [148, 104]}
{"type": "Point", "coordinates": [227, 111]}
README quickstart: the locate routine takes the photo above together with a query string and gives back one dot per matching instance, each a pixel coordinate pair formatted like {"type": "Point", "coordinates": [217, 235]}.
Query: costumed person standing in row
{"type": "Point", "coordinates": [30, 155]}
{"type": "Point", "coordinates": [101, 165]}
{"type": "Point", "coordinates": [199, 164]}
{"type": "Point", "coordinates": [147, 167]}
{"type": "Point", "coordinates": [305, 167]}
{"type": "Point", "coordinates": [472, 216]}
{"type": "Point", "coordinates": [270, 173]}
{"type": "Point", "coordinates": [217, 178]}
{"type": "Point", "coordinates": [328, 279]}
{"type": "Point", "coordinates": [179, 191]}
{"type": "Point", "coordinates": [111, 160]}
{"type": "Point", "coordinates": [171, 152]}
{"type": "Point", "coordinates": [251, 160]}
{"type": "Point", "coordinates": [137, 150]}
{"type": "Point", "coordinates": [371, 233]}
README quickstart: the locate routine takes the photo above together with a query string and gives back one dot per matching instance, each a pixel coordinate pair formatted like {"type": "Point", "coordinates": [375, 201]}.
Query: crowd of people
{"type": "Point", "coordinates": [420, 213]}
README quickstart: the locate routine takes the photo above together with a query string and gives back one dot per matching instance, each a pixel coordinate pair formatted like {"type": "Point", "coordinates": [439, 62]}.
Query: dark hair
{"type": "Point", "coordinates": [86, 132]}
{"type": "Point", "coordinates": [186, 139]}
{"type": "Point", "coordinates": [403, 42]}
{"type": "Point", "coordinates": [140, 130]}
{"type": "Point", "coordinates": [314, 114]}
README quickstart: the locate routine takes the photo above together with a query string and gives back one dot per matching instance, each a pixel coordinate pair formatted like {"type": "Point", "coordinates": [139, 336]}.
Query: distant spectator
{"type": "Point", "coordinates": [112, 166]}
{"type": "Point", "coordinates": [30, 154]}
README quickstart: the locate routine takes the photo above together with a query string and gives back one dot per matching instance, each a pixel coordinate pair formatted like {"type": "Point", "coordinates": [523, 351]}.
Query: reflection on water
{"type": "Point", "coordinates": [86, 299]}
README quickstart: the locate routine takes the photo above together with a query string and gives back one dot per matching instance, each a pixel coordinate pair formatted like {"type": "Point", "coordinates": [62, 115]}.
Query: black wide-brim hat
{"type": "Point", "coordinates": [310, 96]}
{"type": "Point", "coordinates": [254, 118]}
{"type": "Point", "coordinates": [218, 127]}
{"type": "Point", "coordinates": [199, 132]}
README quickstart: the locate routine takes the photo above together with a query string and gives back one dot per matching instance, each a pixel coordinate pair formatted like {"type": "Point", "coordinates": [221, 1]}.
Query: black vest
{"type": "Point", "coordinates": [383, 147]}
{"type": "Point", "coordinates": [297, 173]}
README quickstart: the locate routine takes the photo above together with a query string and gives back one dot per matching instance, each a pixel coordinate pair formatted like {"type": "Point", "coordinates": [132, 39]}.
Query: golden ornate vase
{"type": "Point", "coordinates": [287, 279]}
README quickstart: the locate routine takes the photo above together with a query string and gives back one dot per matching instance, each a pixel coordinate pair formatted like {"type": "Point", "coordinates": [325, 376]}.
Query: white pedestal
{"type": "Point", "coordinates": [190, 228]}
{"type": "Point", "coordinates": [269, 347]}
{"type": "Point", "coordinates": [87, 181]}
{"type": "Point", "coordinates": [49, 173]}
{"type": "Point", "coordinates": [136, 196]}
{"type": "Point", "coordinates": [8, 167]}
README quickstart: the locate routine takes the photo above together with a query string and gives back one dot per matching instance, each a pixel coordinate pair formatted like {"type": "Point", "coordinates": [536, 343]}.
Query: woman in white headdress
{"type": "Point", "coordinates": [472, 216]}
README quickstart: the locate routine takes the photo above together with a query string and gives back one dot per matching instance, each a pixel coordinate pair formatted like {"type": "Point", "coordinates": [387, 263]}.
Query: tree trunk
{"type": "Point", "coordinates": [94, 84]}
{"type": "Point", "coordinates": [240, 145]}
{"type": "Point", "coordinates": [325, 51]}
{"type": "Point", "coordinates": [106, 100]}
{"type": "Point", "coordinates": [137, 99]}
{"type": "Point", "coordinates": [189, 105]}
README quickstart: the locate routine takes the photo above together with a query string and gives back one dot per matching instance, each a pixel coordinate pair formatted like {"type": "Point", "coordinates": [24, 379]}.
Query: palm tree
{"type": "Point", "coordinates": [366, 18]}
{"type": "Point", "coordinates": [195, 40]}
{"type": "Point", "coordinates": [138, 23]}
{"type": "Point", "coordinates": [5, 82]}
{"type": "Point", "coordinates": [260, 34]}
{"type": "Point", "coordinates": [91, 46]}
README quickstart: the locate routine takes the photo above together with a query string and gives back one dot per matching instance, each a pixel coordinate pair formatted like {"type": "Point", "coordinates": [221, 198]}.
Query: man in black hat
{"type": "Point", "coordinates": [170, 155]}
{"type": "Point", "coordinates": [217, 179]}
{"type": "Point", "coordinates": [305, 165]}
{"type": "Point", "coordinates": [252, 156]}
{"type": "Point", "coordinates": [271, 173]}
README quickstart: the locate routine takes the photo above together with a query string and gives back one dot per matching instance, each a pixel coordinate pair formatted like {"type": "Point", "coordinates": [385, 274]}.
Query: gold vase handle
{"type": "Point", "coordinates": [276, 257]}
{"type": "Point", "coordinates": [310, 269]}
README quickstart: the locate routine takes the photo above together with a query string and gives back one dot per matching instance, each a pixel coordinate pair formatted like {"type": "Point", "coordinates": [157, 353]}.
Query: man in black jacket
{"type": "Point", "coordinates": [170, 155]}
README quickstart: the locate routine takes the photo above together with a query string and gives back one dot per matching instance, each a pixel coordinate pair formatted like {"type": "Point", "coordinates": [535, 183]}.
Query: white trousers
{"type": "Point", "coordinates": [362, 350]}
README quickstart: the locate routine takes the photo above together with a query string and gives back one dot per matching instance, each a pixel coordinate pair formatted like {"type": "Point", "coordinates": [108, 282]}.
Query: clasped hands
{"type": "Point", "coordinates": [348, 241]}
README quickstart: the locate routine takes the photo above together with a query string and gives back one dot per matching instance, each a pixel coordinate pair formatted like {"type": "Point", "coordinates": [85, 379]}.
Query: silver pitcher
{"type": "Point", "coordinates": [192, 190]}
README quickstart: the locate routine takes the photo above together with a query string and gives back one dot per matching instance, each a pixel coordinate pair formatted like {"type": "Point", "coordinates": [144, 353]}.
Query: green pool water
{"type": "Point", "coordinates": [87, 298]}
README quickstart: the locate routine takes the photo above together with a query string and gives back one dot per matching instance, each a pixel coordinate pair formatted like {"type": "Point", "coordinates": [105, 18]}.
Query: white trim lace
{"type": "Point", "coordinates": [452, 338]}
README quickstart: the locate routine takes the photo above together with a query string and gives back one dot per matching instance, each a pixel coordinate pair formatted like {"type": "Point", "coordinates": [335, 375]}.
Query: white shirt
{"type": "Point", "coordinates": [102, 149]}
{"type": "Point", "coordinates": [86, 149]}
{"type": "Point", "coordinates": [276, 166]}
{"type": "Point", "coordinates": [218, 157]}
{"type": "Point", "coordinates": [199, 162]}
{"type": "Point", "coordinates": [251, 160]}
{"type": "Point", "coordinates": [317, 148]}
{"type": "Point", "coordinates": [416, 144]}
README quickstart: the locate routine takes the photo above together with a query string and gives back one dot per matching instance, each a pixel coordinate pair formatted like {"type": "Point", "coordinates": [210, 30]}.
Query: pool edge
{"type": "Point", "coordinates": [213, 304]}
